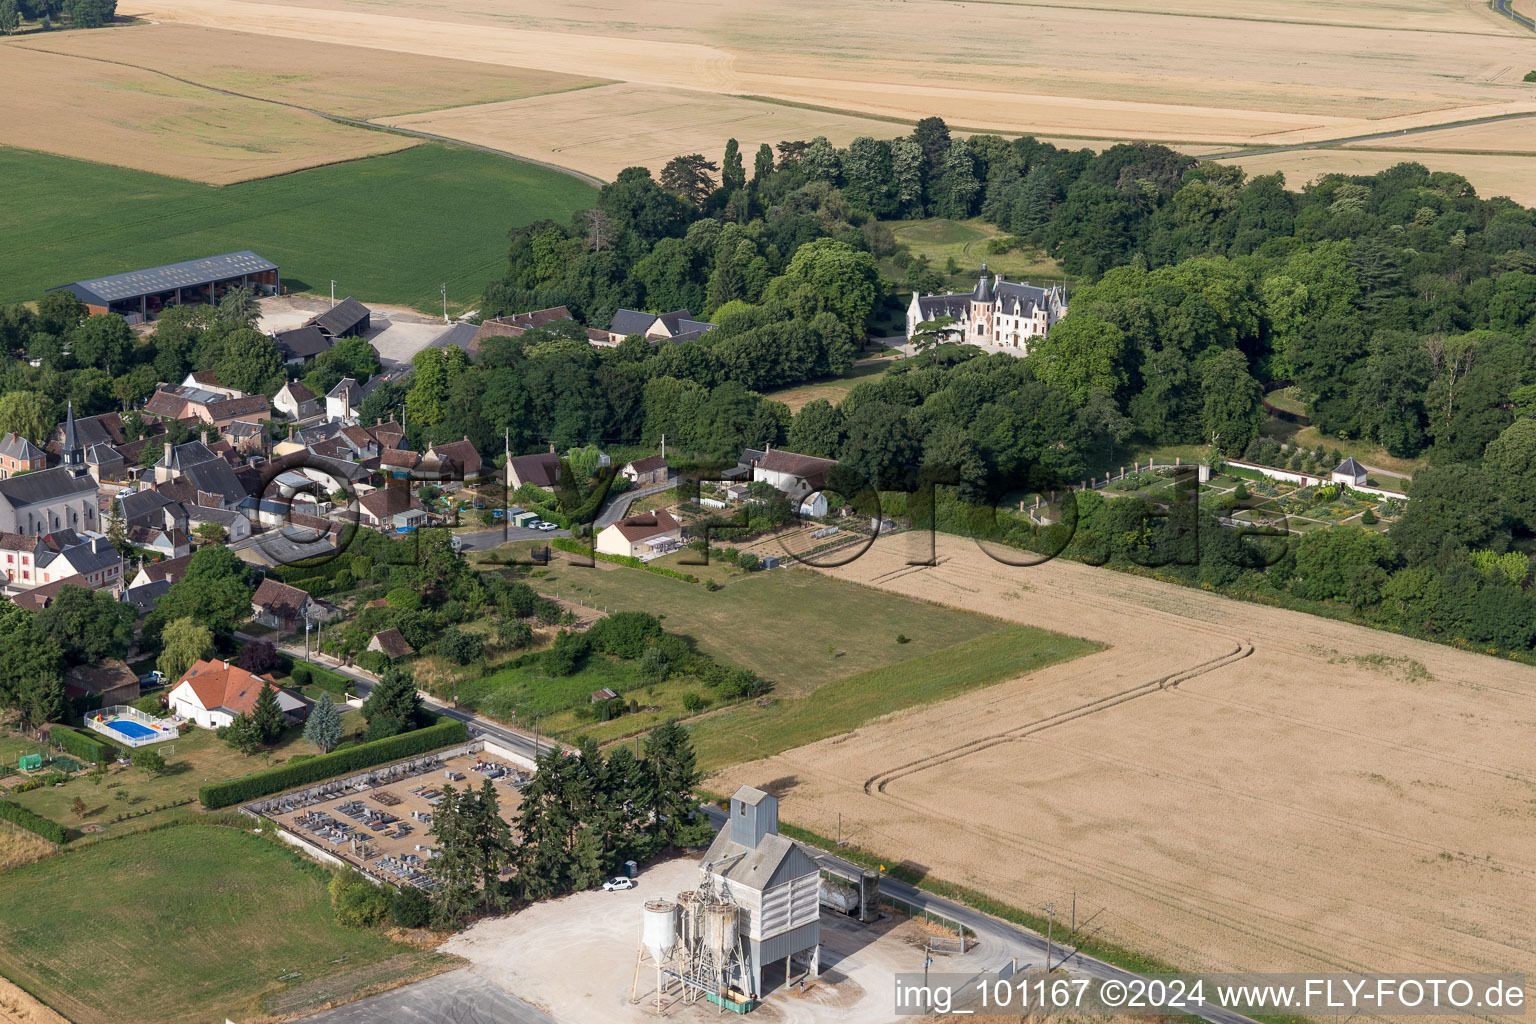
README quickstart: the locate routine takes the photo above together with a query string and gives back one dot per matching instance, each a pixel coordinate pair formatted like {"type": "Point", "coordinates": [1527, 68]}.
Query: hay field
{"type": "Point", "coordinates": [351, 81]}
{"type": "Point", "coordinates": [137, 119]}
{"type": "Point", "coordinates": [601, 131]}
{"type": "Point", "coordinates": [1298, 793]}
{"type": "Point", "coordinates": [1191, 74]}
{"type": "Point", "coordinates": [1505, 174]}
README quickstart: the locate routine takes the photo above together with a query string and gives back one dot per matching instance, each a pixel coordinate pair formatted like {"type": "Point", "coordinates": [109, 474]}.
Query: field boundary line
{"type": "Point", "coordinates": [877, 783]}
{"type": "Point", "coordinates": [351, 122]}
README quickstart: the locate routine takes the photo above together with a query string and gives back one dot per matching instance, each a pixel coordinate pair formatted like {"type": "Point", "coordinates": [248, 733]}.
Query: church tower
{"type": "Point", "coordinates": [70, 452]}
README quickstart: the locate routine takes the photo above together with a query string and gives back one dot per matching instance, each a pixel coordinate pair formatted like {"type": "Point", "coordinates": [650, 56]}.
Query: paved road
{"type": "Point", "coordinates": [1326, 143]}
{"type": "Point", "coordinates": [618, 507]}
{"type": "Point", "coordinates": [1502, 6]}
{"type": "Point", "coordinates": [485, 540]}
{"type": "Point", "coordinates": [1000, 941]}
{"type": "Point", "coordinates": [457, 997]}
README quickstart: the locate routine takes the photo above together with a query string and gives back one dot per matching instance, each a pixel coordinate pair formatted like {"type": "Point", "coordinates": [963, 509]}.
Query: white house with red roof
{"type": "Point", "coordinates": [645, 535]}
{"type": "Point", "coordinates": [212, 693]}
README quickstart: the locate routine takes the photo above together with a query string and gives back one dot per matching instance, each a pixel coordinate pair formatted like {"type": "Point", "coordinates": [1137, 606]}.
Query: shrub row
{"type": "Point", "coordinates": [305, 674]}
{"type": "Point", "coordinates": [578, 548]}
{"type": "Point", "coordinates": [87, 748]}
{"type": "Point", "coordinates": [445, 732]}
{"type": "Point", "coordinates": [19, 815]}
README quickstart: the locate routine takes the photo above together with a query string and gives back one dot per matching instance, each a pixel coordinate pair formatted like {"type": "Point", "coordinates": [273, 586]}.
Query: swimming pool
{"type": "Point", "coordinates": [132, 730]}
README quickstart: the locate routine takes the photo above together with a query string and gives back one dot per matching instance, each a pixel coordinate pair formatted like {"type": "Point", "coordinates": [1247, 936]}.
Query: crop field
{"type": "Point", "coordinates": [351, 81]}
{"type": "Point", "coordinates": [1225, 786]}
{"type": "Point", "coordinates": [138, 119]}
{"type": "Point", "coordinates": [1181, 72]}
{"type": "Point", "coordinates": [604, 130]}
{"type": "Point", "coordinates": [966, 243]}
{"type": "Point", "coordinates": [1501, 174]}
{"type": "Point", "coordinates": [390, 228]}
{"type": "Point", "coordinates": [184, 924]}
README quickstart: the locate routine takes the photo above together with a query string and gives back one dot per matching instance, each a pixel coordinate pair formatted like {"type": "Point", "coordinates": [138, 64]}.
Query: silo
{"type": "Point", "coordinates": [869, 896]}
{"type": "Point", "coordinates": [659, 929]}
{"type": "Point", "coordinates": [690, 923]}
{"type": "Point", "coordinates": [719, 931]}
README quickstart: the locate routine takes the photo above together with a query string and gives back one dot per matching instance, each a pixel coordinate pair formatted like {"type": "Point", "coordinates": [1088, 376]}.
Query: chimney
{"type": "Point", "coordinates": [167, 453]}
{"type": "Point", "coordinates": [551, 447]}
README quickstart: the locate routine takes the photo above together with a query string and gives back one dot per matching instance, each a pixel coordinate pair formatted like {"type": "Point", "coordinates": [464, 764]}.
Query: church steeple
{"type": "Point", "coordinates": [70, 452]}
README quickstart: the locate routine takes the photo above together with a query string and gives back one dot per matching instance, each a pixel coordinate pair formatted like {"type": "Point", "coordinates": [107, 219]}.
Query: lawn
{"type": "Point", "coordinates": [199, 756]}
{"type": "Point", "coordinates": [795, 627]}
{"type": "Point", "coordinates": [749, 732]}
{"type": "Point", "coordinates": [190, 923]}
{"type": "Point", "coordinates": [388, 229]}
{"type": "Point", "coordinates": [966, 241]}
{"type": "Point", "coordinates": [833, 389]}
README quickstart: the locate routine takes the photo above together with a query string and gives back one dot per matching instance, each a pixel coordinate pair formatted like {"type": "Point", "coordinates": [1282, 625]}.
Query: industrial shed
{"type": "Point", "coordinates": [144, 293]}
{"type": "Point", "coordinates": [347, 317]}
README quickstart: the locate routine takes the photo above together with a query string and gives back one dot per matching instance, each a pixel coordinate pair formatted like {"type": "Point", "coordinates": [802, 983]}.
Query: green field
{"type": "Point", "coordinates": [388, 229]}
{"type": "Point", "coordinates": [966, 241]}
{"type": "Point", "coordinates": [749, 732]}
{"type": "Point", "coordinates": [796, 627]}
{"type": "Point", "coordinates": [190, 923]}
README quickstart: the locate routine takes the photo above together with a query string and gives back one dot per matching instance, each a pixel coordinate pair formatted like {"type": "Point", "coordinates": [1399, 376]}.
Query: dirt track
{"type": "Point", "coordinates": [1337, 797]}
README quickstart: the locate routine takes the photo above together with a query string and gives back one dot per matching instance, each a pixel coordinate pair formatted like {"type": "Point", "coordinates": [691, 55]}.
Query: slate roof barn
{"type": "Point", "coordinates": [346, 317]}
{"type": "Point", "coordinates": [146, 291]}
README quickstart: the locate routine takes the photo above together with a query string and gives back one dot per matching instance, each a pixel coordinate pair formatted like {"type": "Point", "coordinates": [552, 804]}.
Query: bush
{"type": "Point", "coordinates": [693, 702]}
{"type": "Point", "coordinates": [748, 561]}
{"type": "Point", "coordinates": [19, 815]}
{"type": "Point", "coordinates": [624, 634]}
{"type": "Point", "coordinates": [445, 732]}
{"type": "Point", "coordinates": [87, 748]}
{"type": "Point", "coordinates": [301, 673]}
{"type": "Point", "coordinates": [1368, 517]}
{"type": "Point", "coordinates": [258, 658]}
{"type": "Point", "coordinates": [410, 908]}
{"type": "Point", "coordinates": [357, 902]}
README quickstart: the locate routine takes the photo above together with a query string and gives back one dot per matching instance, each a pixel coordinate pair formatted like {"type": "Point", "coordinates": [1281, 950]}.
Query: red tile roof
{"type": "Point", "coordinates": [218, 684]}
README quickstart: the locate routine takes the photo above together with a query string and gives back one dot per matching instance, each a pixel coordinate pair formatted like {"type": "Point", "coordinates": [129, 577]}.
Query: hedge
{"type": "Point", "coordinates": [88, 748]}
{"type": "Point", "coordinates": [445, 732]}
{"type": "Point", "coordinates": [49, 830]}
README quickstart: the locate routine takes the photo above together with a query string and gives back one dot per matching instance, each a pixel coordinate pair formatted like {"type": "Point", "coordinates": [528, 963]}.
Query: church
{"type": "Point", "coordinates": [998, 314]}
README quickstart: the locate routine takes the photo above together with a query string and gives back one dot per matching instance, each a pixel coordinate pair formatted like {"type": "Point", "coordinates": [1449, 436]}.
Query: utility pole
{"type": "Point", "coordinates": [663, 445]}
{"type": "Point", "coordinates": [445, 302]}
{"type": "Point", "coordinates": [927, 963]}
{"type": "Point", "coordinates": [1050, 909]}
{"type": "Point", "coordinates": [1074, 916]}
{"type": "Point", "coordinates": [536, 737]}
{"type": "Point", "coordinates": [333, 294]}
{"type": "Point", "coordinates": [306, 638]}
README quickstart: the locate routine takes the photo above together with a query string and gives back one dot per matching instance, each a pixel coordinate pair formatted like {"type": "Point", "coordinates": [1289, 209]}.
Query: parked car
{"type": "Point", "coordinates": [618, 884]}
{"type": "Point", "coordinates": [541, 525]}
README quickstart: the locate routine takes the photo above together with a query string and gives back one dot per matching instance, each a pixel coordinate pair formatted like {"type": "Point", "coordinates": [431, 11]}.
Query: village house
{"type": "Point", "coordinates": [391, 509]}
{"type": "Point", "coordinates": [209, 381]}
{"type": "Point", "coordinates": [212, 693]}
{"type": "Point", "coordinates": [277, 605]}
{"type": "Point", "coordinates": [800, 478]}
{"type": "Point", "coordinates": [110, 682]}
{"type": "Point", "coordinates": [995, 313]}
{"type": "Point", "coordinates": [171, 570]}
{"type": "Point", "coordinates": [677, 326]}
{"type": "Point", "coordinates": [541, 470]}
{"type": "Point", "coordinates": [192, 402]}
{"type": "Point", "coordinates": [296, 401]}
{"type": "Point", "coordinates": [458, 460]}
{"type": "Point", "coordinates": [18, 455]}
{"type": "Point", "coordinates": [644, 535]}
{"type": "Point", "coordinates": [301, 344]}
{"type": "Point", "coordinates": [390, 642]}
{"type": "Point", "coordinates": [341, 401]}
{"type": "Point", "coordinates": [647, 471]}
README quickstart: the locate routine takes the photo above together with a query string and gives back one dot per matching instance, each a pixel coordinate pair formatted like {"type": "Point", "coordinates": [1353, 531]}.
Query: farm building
{"type": "Point", "coordinates": [774, 882]}
{"type": "Point", "coordinates": [280, 606]}
{"type": "Point", "coordinates": [390, 642]}
{"type": "Point", "coordinates": [643, 472]}
{"type": "Point", "coordinates": [301, 344]}
{"type": "Point", "coordinates": [1349, 472]}
{"type": "Point", "coordinates": [347, 317]}
{"type": "Point", "coordinates": [144, 293]}
{"type": "Point", "coordinates": [676, 326]}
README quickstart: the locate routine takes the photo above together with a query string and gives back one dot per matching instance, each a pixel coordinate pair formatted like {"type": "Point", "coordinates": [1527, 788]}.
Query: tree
{"type": "Point", "coordinates": [27, 413]}
{"type": "Point", "coordinates": [460, 647]}
{"type": "Point", "coordinates": [149, 760]}
{"type": "Point", "coordinates": [103, 341]}
{"type": "Point", "coordinates": [1233, 401]}
{"type": "Point", "coordinates": [239, 307]}
{"type": "Point", "coordinates": [762, 164]}
{"type": "Point", "coordinates": [323, 728]}
{"type": "Point", "coordinates": [1082, 354]}
{"type": "Point", "coordinates": [184, 642]}
{"type": "Point", "coordinates": [356, 902]}
{"type": "Point", "coordinates": [513, 634]}
{"type": "Point", "coordinates": [733, 174]}
{"type": "Point", "coordinates": [250, 362]}
{"type": "Point", "coordinates": [1511, 458]}
{"type": "Point", "coordinates": [934, 332]}
{"type": "Point", "coordinates": [474, 845]}
{"type": "Point", "coordinates": [241, 733]}
{"type": "Point", "coordinates": [10, 18]}
{"type": "Point", "coordinates": [88, 625]}
{"type": "Point", "coordinates": [673, 773]}
{"type": "Point", "coordinates": [410, 908]}
{"type": "Point", "coordinates": [827, 275]}
{"type": "Point", "coordinates": [394, 699]}
{"type": "Point", "coordinates": [690, 176]}
{"type": "Point", "coordinates": [267, 716]}
{"type": "Point", "coordinates": [259, 657]}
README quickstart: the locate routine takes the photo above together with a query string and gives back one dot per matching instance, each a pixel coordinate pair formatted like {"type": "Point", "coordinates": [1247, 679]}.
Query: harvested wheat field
{"type": "Point", "coordinates": [602, 131]}
{"type": "Point", "coordinates": [1227, 786]}
{"type": "Point", "coordinates": [351, 81]}
{"type": "Point", "coordinates": [18, 847]}
{"type": "Point", "coordinates": [1189, 75]}
{"type": "Point", "coordinates": [119, 115]}
{"type": "Point", "coordinates": [17, 1007]}
{"type": "Point", "coordinates": [1503, 174]}
{"type": "Point", "coordinates": [1515, 135]}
